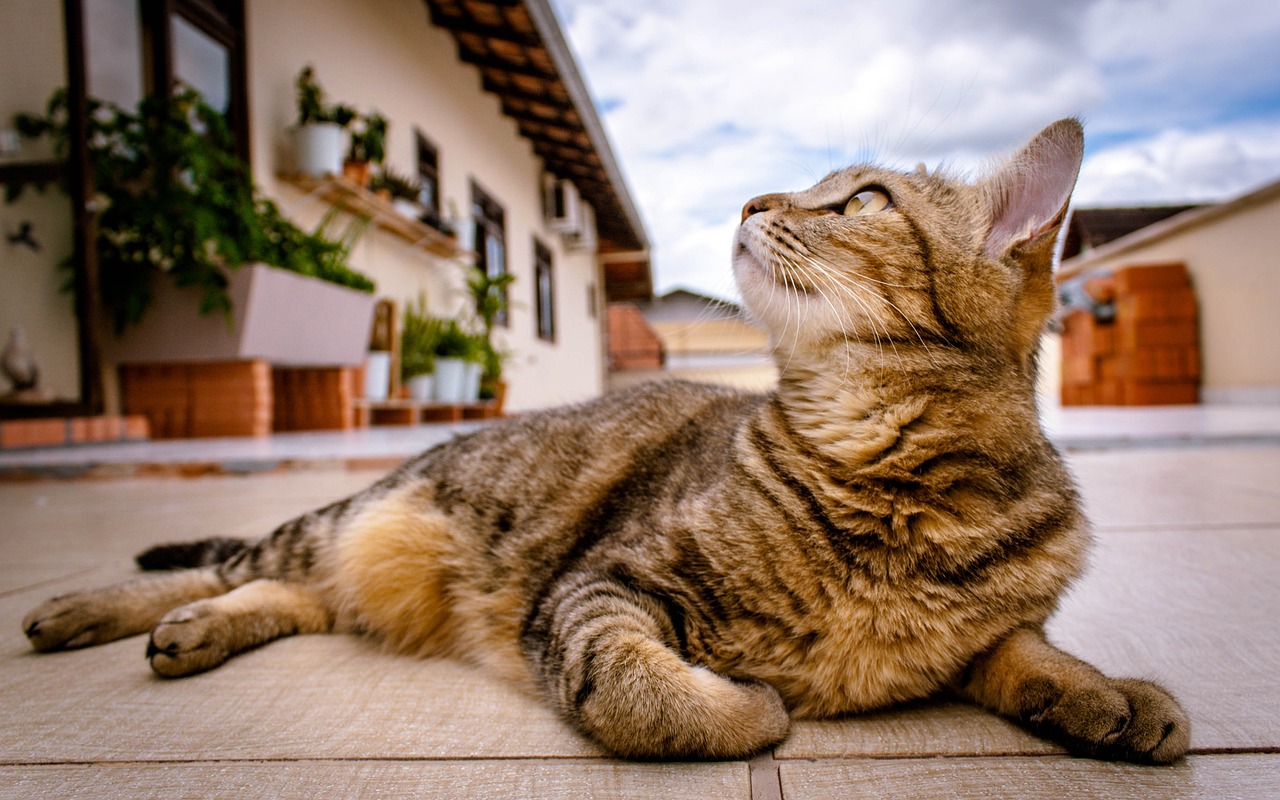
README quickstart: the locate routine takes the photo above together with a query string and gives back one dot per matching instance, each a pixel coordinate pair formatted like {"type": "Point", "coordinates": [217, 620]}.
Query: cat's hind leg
{"type": "Point", "coordinates": [1067, 700]}
{"type": "Point", "coordinates": [608, 657]}
{"type": "Point", "coordinates": [201, 635]}
{"type": "Point", "coordinates": [97, 616]}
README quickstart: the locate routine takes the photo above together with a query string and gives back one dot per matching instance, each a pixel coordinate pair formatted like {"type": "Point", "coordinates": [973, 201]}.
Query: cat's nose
{"type": "Point", "coordinates": [754, 206]}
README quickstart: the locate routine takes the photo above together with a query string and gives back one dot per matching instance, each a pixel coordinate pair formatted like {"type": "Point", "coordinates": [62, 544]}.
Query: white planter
{"type": "Point", "coordinates": [319, 149]}
{"type": "Point", "coordinates": [471, 390]}
{"type": "Point", "coordinates": [377, 375]}
{"type": "Point", "coordinates": [422, 387]}
{"type": "Point", "coordinates": [279, 316]}
{"type": "Point", "coordinates": [406, 208]}
{"type": "Point", "coordinates": [451, 380]}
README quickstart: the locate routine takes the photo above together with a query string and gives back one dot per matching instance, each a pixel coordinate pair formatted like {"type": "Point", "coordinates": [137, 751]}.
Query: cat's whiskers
{"type": "Point", "coordinates": [844, 332]}
{"type": "Point", "coordinates": [860, 277]}
{"type": "Point", "coordinates": [833, 277]}
{"type": "Point", "coordinates": [791, 291]}
{"type": "Point", "coordinates": [923, 343]}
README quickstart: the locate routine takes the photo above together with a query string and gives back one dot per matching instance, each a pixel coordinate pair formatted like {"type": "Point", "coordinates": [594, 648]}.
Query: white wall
{"type": "Point", "coordinates": [376, 54]}
{"type": "Point", "coordinates": [384, 55]}
{"type": "Point", "coordinates": [32, 65]}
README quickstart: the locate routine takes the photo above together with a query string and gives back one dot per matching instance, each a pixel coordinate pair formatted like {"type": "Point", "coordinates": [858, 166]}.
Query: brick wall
{"type": "Point", "coordinates": [314, 398]}
{"type": "Point", "coordinates": [1149, 354]}
{"type": "Point", "coordinates": [632, 343]}
{"type": "Point", "coordinates": [232, 398]}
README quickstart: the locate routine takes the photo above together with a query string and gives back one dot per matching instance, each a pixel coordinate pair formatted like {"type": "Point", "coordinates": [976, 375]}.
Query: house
{"type": "Point", "coordinates": [701, 339]}
{"type": "Point", "coordinates": [1093, 227]}
{"type": "Point", "coordinates": [1230, 252]}
{"type": "Point", "coordinates": [485, 106]}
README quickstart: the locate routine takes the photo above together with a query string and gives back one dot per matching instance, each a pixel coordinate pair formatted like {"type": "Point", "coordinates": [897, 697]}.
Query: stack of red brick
{"type": "Point", "coordinates": [237, 398]}
{"type": "Point", "coordinates": [632, 343]}
{"type": "Point", "coordinates": [1148, 354]}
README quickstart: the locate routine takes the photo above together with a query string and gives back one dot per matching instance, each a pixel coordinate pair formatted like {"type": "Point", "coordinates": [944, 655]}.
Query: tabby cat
{"type": "Point", "coordinates": [681, 569]}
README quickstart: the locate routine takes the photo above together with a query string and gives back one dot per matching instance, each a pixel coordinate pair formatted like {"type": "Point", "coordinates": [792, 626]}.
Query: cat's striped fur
{"type": "Point", "coordinates": [680, 569]}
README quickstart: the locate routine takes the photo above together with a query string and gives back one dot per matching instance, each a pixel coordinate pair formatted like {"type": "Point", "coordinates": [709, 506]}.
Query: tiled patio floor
{"type": "Point", "coordinates": [1183, 588]}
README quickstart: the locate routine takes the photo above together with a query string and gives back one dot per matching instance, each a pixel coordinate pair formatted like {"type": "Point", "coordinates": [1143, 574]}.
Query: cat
{"type": "Point", "coordinates": [681, 569]}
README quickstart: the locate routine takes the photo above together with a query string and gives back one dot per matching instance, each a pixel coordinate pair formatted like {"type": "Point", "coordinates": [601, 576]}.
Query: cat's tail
{"type": "Point", "coordinates": [189, 555]}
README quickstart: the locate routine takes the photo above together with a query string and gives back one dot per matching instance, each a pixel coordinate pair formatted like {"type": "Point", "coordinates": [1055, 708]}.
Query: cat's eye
{"type": "Point", "coordinates": [867, 201]}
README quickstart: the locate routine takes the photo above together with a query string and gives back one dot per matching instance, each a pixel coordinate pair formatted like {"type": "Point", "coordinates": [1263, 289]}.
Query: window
{"type": "Point", "coordinates": [429, 179]}
{"type": "Point", "coordinates": [113, 51]}
{"type": "Point", "coordinates": [200, 43]}
{"type": "Point", "coordinates": [544, 292]}
{"type": "Point", "coordinates": [490, 239]}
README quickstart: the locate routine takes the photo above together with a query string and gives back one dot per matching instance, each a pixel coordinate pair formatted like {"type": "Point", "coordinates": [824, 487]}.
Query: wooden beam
{"type": "Point", "coordinates": [459, 25]}
{"type": "Point", "coordinates": [84, 220]}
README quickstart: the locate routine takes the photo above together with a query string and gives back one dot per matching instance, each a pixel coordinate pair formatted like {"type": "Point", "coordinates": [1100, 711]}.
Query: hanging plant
{"type": "Point", "coordinates": [178, 204]}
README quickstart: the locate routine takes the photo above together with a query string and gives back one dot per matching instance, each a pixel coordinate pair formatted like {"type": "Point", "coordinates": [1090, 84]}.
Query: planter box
{"type": "Point", "coordinates": [280, 317]}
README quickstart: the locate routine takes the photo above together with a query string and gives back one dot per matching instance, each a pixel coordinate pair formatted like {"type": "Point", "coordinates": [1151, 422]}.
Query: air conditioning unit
{"type": "Point", "coordinates": [561, 205]}
{"type": "Point", "coordinates": [585, 237]}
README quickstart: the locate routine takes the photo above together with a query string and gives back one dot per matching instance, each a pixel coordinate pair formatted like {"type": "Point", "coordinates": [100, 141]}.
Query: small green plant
{"type": "Point", "coordinates": [179, 205]}
{"type": "Point", "coordinates": [455, 341]}
{"type": "Point", "coordinates": [398, 185]}
{"type": "Point", "coordinates": [311, 105]}
{"type": "Point", "coordinates": [369, 143]}
{"type": "Point", "coordinates": [489, 294]}
{"type": "Point", "coordinates": [419, 338]}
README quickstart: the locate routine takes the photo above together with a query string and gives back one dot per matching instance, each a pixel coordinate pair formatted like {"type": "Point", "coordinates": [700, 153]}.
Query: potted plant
{"type": "Point", "coordinates": [419, 338]}
{"type": "Point", "coordinates": [179, 224]}
{"type": "Point", "coordinates": [318, 133]}
{"type": "Point", "coordinates": [489, 294]}
{"type": "Point", "coordinates": [400, 190]}
{"type": "Point", "coordinates": [368, 148]}
{"type": "Point", "coordinates": [455, 349]}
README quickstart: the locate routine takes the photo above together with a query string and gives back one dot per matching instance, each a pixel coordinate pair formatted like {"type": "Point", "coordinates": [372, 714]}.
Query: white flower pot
{"type": "Point", "coordinates": [422, 387]}
{"type": "Point", "coordinates": [319, 149]}
{"type": "Point", "coordinates": [471, 390]}
{"type": "Point", "coordinates": [451, 380]}
{"type": "Point", "coordinates": [406, 208]}
{"type": "Point", "coordinates": [377, 375]}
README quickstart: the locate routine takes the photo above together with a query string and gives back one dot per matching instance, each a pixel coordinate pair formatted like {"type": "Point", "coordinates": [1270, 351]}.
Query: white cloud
{"type": "Point", "coordinates": [712, 102]}
{"type": "Point", "coordinates": [1177, 166]}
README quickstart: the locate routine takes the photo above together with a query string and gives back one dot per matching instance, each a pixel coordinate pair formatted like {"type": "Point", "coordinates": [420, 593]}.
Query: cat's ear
{"type": "Point", "coordinates": [1028, 197]}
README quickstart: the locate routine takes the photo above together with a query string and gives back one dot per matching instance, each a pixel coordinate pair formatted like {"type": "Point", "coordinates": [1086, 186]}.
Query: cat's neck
{"type": "Point", "coordinates": [864, 402]}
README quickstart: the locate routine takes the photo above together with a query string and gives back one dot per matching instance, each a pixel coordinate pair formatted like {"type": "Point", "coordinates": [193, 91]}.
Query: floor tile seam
{"type": "Point", "coordinates": [49, 581]}
{"type": "Point", "coordinates": [764, 777]}
{"type": "Point", "coordinates": [1103, 444]}
{"type": "Point", "coordinates": [1187, 527]}
{"type": "Point", "coordinates": [1197, 752]}
{"type": "Point", "coordinates": [318, 760]}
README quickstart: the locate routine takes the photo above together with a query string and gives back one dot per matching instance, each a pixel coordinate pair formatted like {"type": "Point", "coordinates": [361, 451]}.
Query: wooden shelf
{"type": "Point", "coordinates": [358, 200]}
{"type": "Point", "coordinates": [21, 173]}
{"type": "Point", "coordinates": [413, 412]}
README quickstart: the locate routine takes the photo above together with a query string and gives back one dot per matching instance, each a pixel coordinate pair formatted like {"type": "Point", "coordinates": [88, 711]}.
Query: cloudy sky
{"type": "Point", "coordinates": [710, 102]}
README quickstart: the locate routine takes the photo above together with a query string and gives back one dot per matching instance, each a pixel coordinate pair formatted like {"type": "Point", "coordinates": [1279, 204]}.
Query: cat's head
{"type": "Point", "coordinates": [912, 260]}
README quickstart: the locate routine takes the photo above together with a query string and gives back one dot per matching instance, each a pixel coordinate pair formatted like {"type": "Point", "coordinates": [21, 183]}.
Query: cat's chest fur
{"type": "Point", "coordinates": [852, 591]}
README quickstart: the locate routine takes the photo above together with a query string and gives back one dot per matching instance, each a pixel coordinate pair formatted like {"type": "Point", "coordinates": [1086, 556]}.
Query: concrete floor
{"type": "Point", "coordinates": [1182, 589]}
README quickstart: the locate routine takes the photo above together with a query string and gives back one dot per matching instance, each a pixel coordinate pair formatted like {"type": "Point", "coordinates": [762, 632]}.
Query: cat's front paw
{"type": "Point", "coordinates": [1127, 720]}
{"type": "Point", "coordinates": [70, 621]}
{"type": "Point", "coordinates": [188, 640]}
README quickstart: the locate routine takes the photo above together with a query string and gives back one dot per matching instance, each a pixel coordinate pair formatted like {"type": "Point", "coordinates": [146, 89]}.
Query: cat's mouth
{"type": "Point", "coordinates": [764, 253]}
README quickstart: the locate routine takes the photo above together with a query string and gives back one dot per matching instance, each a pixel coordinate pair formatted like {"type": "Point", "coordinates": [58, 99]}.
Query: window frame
{"type": "Point", "coordinates": [490, 228]}
{"type": "Point", "coordinates": [428, 170]}
{"type": "Point", "coordinates": [220, 20]}
{"type": "Point", "coordinates": [544, 317]}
